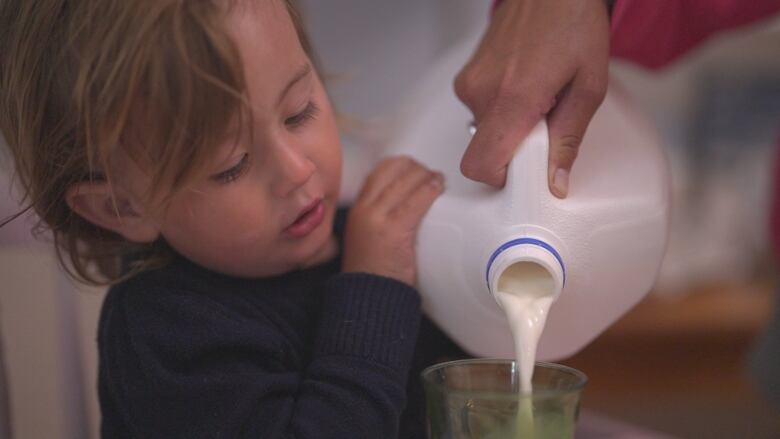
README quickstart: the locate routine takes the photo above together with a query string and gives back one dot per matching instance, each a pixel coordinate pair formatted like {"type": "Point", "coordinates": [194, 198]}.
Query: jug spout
{"type": "Point", "coordinates": [526, 266]}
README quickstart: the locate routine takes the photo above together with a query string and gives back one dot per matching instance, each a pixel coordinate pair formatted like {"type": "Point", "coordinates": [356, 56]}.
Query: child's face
{"type": "Point", "coordinates": [266, 207]}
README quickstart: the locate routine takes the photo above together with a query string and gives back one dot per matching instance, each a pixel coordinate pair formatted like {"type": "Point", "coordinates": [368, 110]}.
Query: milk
{"type": "Point", "coordinates": [525, 292]}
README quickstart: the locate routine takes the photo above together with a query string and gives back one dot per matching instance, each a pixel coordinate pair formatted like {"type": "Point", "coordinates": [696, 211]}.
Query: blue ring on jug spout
{"type": "Point", "coordinates": [521, 241]}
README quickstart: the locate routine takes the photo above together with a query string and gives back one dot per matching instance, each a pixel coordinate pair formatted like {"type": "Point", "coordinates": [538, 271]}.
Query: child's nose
{"type": "Point", "coordinates": [292, 169]}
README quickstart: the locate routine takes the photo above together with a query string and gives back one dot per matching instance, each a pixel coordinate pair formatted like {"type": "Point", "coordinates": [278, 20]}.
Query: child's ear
{"type": "Point", "coordinates": [93, 202]}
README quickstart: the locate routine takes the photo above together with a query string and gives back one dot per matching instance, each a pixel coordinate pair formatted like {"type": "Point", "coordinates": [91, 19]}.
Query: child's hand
{"type": "Point", "coordinates": [382, 225]}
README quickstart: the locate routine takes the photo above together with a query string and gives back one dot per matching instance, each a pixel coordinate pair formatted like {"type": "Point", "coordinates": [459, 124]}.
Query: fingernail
{"type": "Point", "coordinates": [561, 182]}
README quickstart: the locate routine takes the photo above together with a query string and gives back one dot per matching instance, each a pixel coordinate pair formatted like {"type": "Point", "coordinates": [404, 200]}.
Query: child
{"type": "Point", "coordinates": [187, 153]}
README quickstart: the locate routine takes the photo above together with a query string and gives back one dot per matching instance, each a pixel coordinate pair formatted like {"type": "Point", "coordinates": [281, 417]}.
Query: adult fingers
{"type": "Point", "coordinates": [502, 127]}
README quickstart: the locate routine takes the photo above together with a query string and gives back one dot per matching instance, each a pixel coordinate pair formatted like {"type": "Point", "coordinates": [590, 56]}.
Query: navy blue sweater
{"type": "Point", "coordinates": [188, 353]}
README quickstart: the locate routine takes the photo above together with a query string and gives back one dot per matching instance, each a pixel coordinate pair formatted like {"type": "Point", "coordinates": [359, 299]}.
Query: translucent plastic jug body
{"type": "Point", "coordinates": [602, 245]}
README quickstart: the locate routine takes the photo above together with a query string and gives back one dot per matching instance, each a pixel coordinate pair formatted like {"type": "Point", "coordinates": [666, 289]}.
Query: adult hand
{"type": "Point", "coordinates": [538, 58]}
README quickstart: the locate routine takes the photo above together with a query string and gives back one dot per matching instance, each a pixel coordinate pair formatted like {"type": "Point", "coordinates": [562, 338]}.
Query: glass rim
{"type": "Point", "coordinates": [578, 385]}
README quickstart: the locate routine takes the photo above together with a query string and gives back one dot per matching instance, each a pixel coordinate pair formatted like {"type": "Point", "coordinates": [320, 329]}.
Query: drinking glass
{"type": "Point", "coordinates": [480, 398]}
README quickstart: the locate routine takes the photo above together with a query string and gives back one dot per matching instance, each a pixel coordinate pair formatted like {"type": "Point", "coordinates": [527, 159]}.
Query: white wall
{"type": "Point", "coordinates": [41, 334]}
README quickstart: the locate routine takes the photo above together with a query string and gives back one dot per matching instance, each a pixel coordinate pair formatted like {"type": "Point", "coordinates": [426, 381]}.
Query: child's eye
{"type": "Point", "coordinates": [233, 173]}
{"type": "Point", "coordinates": [308, 113]}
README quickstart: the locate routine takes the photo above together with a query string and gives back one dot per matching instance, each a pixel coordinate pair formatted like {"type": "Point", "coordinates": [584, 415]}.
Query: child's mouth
{"type": "Point", "coordinates": [312, 216]}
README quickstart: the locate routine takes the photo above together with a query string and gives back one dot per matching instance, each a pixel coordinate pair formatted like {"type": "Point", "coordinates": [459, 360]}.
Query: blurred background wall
{"type": "Point", "coordinates": [718, 111]}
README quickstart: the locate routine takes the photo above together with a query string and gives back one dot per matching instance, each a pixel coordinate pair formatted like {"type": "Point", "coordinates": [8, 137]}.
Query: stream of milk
{"type": "Point", "coordinates": [525, 291]}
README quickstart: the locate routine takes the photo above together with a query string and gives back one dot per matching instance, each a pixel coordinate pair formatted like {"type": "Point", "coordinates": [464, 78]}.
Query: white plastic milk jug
{"type": "Point", "coordinates": [602, 245]}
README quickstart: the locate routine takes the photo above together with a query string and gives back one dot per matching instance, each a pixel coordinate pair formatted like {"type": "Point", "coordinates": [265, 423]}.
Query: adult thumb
{"type": "Point", "coordinates": [567, 124]}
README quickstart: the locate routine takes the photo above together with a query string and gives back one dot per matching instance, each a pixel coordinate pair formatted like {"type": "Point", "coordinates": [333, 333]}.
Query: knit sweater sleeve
{"type": "Point", "coordinates": [181, 365]}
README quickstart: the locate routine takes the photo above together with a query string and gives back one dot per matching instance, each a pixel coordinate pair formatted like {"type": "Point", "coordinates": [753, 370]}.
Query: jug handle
{"type": "Point", "coordinates": [530, 161]}
{"type": "Point", "coordinates": [531, 157]}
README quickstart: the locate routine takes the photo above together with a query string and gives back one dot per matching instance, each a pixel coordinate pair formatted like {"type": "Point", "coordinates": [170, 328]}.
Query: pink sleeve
{"type": "Point", "coordinates": [655, 33]}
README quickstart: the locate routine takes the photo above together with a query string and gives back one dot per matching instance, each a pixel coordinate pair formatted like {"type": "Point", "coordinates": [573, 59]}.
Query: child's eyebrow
{"type": "Point", "coordinates": [301, 74]}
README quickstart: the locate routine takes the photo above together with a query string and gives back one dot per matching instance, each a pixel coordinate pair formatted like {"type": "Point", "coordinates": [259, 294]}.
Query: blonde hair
{"type": "Point", "coordinates": [81, 78]}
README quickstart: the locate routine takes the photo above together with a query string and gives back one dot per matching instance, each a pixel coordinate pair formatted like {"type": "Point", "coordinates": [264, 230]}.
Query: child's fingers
{"type": "Point", "coordinates": [383, 174]}
{"type": "Point", "coordinates": [411, 211]}
{"type": "Point", "coordinates": [401, 188]}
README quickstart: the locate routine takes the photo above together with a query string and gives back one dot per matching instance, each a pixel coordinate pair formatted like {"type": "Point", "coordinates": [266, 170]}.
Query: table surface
{"type": "Point", "coordinates": [592, 425]}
